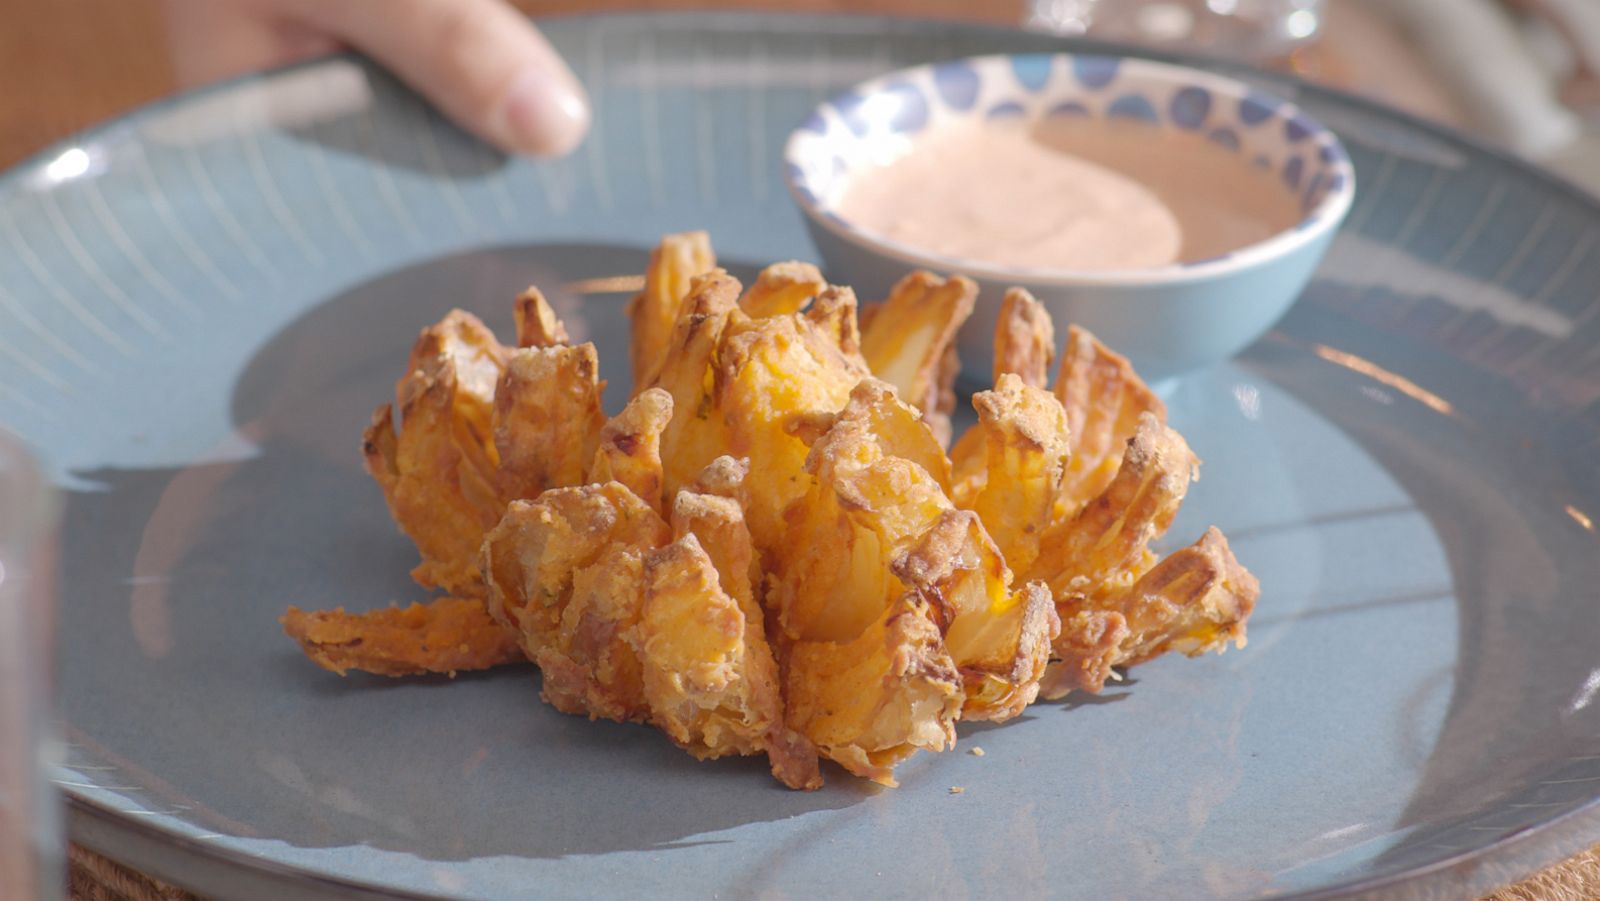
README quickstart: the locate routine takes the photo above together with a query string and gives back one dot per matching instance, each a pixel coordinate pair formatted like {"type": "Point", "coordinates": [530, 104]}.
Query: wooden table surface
{"type": "Point", "coordinates": [67, 64]}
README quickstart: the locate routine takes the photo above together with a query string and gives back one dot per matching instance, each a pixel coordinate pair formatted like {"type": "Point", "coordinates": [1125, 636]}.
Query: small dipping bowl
{"type": "Point", "coordinates": [1168, 319]}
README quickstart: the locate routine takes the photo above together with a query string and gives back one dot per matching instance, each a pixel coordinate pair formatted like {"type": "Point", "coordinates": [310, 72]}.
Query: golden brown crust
{"type": "Point", "coordinates": [695, 435]}
{"type": "Point", "coordinates": [1194, 601]}
{"type": "Point", "coordinates": [537, 323]}
{"type": "Point", "coordinates": [945, 383]}
{"type": "Point", "coordinates": [590, 664]}
{"type": "Point", "coordinates": [999, 638]}
{"type": "Point", "coordinates": [781, 289]}
{"type": "Point", "coordinates": [472, 351]}
{"type": "Point", "coordinates": [710, 676]}
{"type": "Point", "coordinates": [860, 508]}
{"type": "Point", "coordinates": [1105, 401]}
{"type": "Point", "coordinates": [380, 451]}
{"type": "Point", "coordinates": [871, 702]}
{"type": "Point", "coordinates": [723, 477]}
{"type": "Point", "coordinates": [533, 560]}
{"type": "Point", "coordinates": [630, 622]}
{"type": "Point", "coordinates": [968, 466]}
{"type": "Point", "coordinates": [547, 419]}
{"type": "Point", "coordinates": [630, 446]}
{"type": "Point", "coordinates": [1024, 339]}
{"type": "Point", "coordinates": [654, 312]}
{"type": "Point", "coordinates": [874, 524]}
{"type": "Point", "coordinates": [717, 523]}
{"type": "Point", "coordinates": [448, 635]}
{"type": "Point", "coordinates": [1102, 548]}
{"type": "Point", "coordinates": [773, 553]}
{"type": "Point", "coordinates": [897, 428]}
{"type": "Point", "coordinates": [437, 470]}
{"type": "Point", "coordinates": [1026, 454]}
{"type": "Point", "coordinates": [834, 315]}
{"type": "Point", "coordinates": [908, 340]}
{"type": "Point", "coordinates": [1086, 651]}
{"type": "Point", "coordinates": [768, 371]}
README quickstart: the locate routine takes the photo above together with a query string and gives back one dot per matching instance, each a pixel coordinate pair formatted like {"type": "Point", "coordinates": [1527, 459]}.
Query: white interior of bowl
{"type": "Point", "coordinates": [876, 121]}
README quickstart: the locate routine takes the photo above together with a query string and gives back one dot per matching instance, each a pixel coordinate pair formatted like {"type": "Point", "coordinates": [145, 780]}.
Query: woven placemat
{"type": "Point", "coordinates": [91, 877]}
{"type": "Point", "coordinates": [96, 878]}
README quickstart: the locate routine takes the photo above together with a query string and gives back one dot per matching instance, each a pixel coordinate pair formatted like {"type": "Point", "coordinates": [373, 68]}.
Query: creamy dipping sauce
{"type": "Point", "coordinates": [1069, 193]}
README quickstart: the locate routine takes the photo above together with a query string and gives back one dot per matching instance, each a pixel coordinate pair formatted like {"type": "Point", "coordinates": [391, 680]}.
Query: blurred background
{"type": "Point", "coordinates": [1522, 73]}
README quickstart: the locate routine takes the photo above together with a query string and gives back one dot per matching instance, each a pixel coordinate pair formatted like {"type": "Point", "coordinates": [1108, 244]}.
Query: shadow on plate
{"type": "Point", "coordinates": [331, 104]}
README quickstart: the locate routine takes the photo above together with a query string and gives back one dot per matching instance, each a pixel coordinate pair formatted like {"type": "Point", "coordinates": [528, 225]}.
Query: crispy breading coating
{"type": "Point", "coordinates": [723, 477]}
{"type": "Point", "coordinates": [437, 473]}
{"type": "Point", "coordinates": [910, 338]}
{"type": "Point", "coordinates": [440, 475]}
{"type": "Point", "coordinates": [834, 315]}
{"type": "Point", "coordinates": [1105, 401]}
{"type": "Point", "coordinates": [696, 435]}
{"type": "Point", "coordinates": [874, 526]}
{"type": "Point", "coordinates": [1026, 453]}
{"type": "Point", "coordinates": [1085, 653]}
{"type": "Point", "coordinates": [710, 676]}
{"type": "Point", "coordinates": [590, 664]}
{"type": "Point", "coordinates": [692, 639]}
{"type": "Point", "coordinates": [1105, 547]}
{"type": "Point", "coordinates": [717, 522]}
{"type": "Point", "coordinates": [998, 638]}
{"type": "Point", "coordinates": [861, 508]}
{"type": "Point", "coordinates": [768, 372]}
{"type": "Point", "coordinates": [1118, 605]}
{"type": "Point", "coordinates": [631, 621]}
{"type": "Point", "coordinates": [1024, 339]}
{"type": "Point", "coordinates": [537, 323]}
{"type": "Point", "coordinates": [1194, 601]}
{"type": "Point", "coordinates": [447, 635]}
{"type": "Point", "coordinates": [547, 418]}
{"type": "Point", "coordinates": [630, 446]}
{"type": "Point", "coordinates": [773, 553]}
{"type": "Point", "coordinates": [533, 559]}
{"type": "Point", "coordinates": [898, 429]}
{"type": "Point", "coordinates": [871, 702]}
{"type": "Point", "coordinates": [737, 381]}
{"type": "Point", "coordinates": [781, 289]}
{"type": "Point", "coordinates": [1025, 346]}
{"type": "Point", "coordinates": [476, 356]}
{"type": "Point", "coordinates": [1093, 552]}
{"type": "Point", "coordinates": [591, 661]}
{"type": "Point", "coordinates": [654, 312]}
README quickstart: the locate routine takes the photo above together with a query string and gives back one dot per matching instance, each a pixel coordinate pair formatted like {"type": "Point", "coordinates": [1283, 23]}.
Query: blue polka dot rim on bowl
{"type": "Point", "coordinates": [1169, 318]}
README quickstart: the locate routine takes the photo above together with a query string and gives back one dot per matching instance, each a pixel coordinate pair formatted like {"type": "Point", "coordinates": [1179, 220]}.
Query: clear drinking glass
{"type": "Point", "coordinates": [30, 819]}
{"type": "Point", "coordinates": [1246, 30]}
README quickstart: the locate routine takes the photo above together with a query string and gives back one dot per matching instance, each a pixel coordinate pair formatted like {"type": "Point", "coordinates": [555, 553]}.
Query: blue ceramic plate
{"type": "Point", "coordinates": [200, 304]}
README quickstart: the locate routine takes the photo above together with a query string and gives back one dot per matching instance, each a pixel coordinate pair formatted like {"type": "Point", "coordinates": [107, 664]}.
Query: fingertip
{"type": "Point", "coordinates": [542, 114]}
{"type": "Point", "coordinates": [485, 64]}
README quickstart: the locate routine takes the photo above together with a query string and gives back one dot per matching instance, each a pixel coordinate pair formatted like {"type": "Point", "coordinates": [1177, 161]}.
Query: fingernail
{"type": "Point", "coordinates": [544, 113]}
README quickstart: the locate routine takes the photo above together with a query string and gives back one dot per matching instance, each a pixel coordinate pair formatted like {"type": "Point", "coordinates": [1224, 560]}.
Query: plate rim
{"type": "Point", "coordinates": [100, 828]}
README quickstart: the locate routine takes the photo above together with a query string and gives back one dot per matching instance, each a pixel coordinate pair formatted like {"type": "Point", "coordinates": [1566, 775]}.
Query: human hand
{"type": "Point", "coordinates": [480, 61]}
